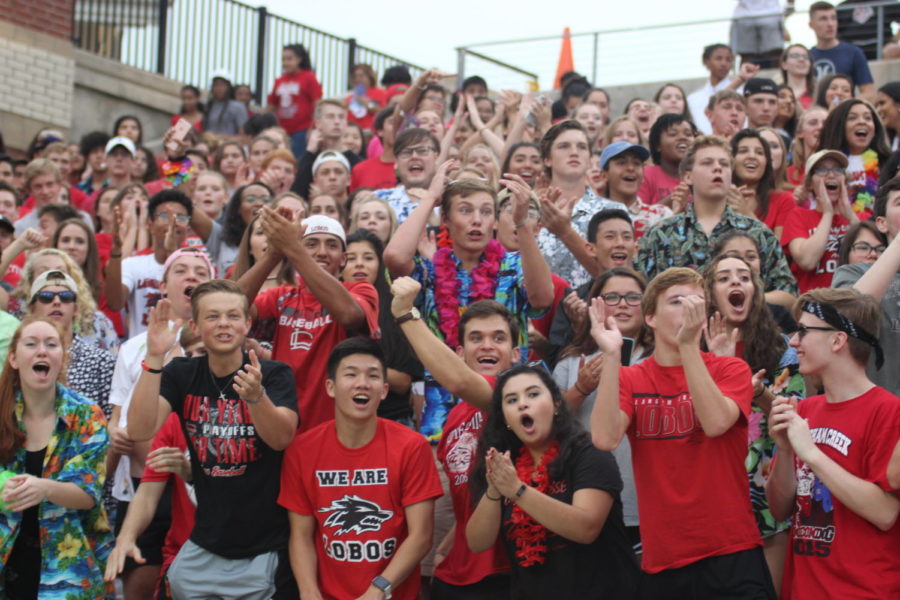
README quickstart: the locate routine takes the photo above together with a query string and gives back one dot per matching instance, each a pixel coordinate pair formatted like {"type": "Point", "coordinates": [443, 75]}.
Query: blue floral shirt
{"type": "Point", "coordinates": [510, 292]}
{"type": "Point", "coordinates": [74, 543]}
{"type": "Point", "coordinates": [558, 257]}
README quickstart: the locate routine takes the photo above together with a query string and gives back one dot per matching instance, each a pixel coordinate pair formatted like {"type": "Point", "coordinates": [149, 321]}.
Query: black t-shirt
{"type": "Point", "coordinates": [605, 568]}
{"type": "Point", "coordinates": [859, 25]}
{"type": "Point", "coordinates": [236, 475]}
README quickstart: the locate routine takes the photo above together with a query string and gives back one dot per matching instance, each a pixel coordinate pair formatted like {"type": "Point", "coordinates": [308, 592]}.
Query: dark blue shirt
{"type": "Point", "coordinates": [845, 59]}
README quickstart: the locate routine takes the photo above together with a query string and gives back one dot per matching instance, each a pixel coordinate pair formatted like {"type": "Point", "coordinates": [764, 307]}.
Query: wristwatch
{"type": "Point", "coordinates": [381, 582]}
{"type": "Point", "coordinates": [411, 315]}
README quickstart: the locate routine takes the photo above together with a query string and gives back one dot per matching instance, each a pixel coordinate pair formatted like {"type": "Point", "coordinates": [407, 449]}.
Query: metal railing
{"type": "Point", "coordinates": [188, 40]}
{"type": "Point", "coordinates": [629, 55]}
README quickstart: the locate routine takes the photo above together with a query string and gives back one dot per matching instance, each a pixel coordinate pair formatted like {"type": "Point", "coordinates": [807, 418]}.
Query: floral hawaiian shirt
{"type": "Point", "coordinates": [510, 292]}
{"type": "Point", "coordinates": [74, 543]}
{"type": "Point", "coordinates": [681, 242]}
{"type": "Point", "coordinates": [400, 201]}
{"type": "Point", "coordinates": [558, 257]}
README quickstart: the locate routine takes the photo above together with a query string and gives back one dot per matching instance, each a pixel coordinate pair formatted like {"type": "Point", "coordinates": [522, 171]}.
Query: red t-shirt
{"type": "Point", "coordinates": [198, 126]}
{"type": "Point", "coordinates": [834, 552]}
{"type": "Point", "coordinates": [372, 173]}
{"type": "Point", "coordinates": [543, 324]}
{"type": "Point", "coordinates": [802, 224]}
{"type": "Point", "coordinates": [304, 336]}
{"type": "Point", "coordinates": [781, 205]}
{"type": "Point", "coordinates": [795, 175]}
{"type": "Point", "coordinates": [358, 497]}
{"type": "Point", "coordinates": [14, 272]}
{"type": "Point", "coordinates": [367, 121]}
{"type": "Point", "coordinates": [183, 508]}
{"type": "Point", "coordinates": [457, 453]}
{"type": "Point", "coordinates": [693, 489]}
{"type": "Point", "coordinates": [657, 185]}
{"type": "Point", "coordinates": [294, 98]}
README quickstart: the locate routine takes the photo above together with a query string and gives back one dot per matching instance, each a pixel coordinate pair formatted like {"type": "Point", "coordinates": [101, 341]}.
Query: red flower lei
{"type": "Point", "coordinates": [447, 286]}
{"type": "Point", "coordinates": [529, 536]}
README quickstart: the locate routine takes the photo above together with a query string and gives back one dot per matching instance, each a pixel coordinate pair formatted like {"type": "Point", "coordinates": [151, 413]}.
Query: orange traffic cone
{"type": "Point", "coordinates": [566, 62]}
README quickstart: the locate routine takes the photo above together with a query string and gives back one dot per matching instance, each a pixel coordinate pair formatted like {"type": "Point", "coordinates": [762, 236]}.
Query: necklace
{"type": "Point", "coordinates": [222, 389]}
{"type": "Point", "coordinates": [529, 536]}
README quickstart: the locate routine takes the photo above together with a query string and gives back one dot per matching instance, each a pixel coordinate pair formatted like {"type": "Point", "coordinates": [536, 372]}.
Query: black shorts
{"type": "Point", "coordinates": [492, 587]}
{"type": "Point", "coordinates": [742, 575]}
{"type": "Point", "coordinates": [151, 541]}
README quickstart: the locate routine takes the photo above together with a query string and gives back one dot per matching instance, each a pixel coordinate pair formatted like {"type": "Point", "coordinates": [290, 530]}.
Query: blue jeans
{"type": "Point", "coordinates": [298, 143]}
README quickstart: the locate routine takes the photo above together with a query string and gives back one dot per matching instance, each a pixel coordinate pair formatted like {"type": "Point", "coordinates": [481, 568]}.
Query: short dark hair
{"type": "Point", "coordinates": [91, 141]}
{"type": "Point", "coordinates": [708, 50]}
{"type": "Point", "coordinates": [602, 216]}
{"type": "Point", "coordinates": [217, 285]}
{"type": "Point", "coordinates": [6, 187]}
{"type": "Point", "coordinates": [473, 80]}
{"type": "Point", "coordinates": [396, 74]}
{"type": "Point", "coordinates": [164, 196]}
{"type": "Point", "coordinates": [59, 212]}
{"type": "Point", "coordinates": [258, 123]}
{"type": "Point", "coordinates": [576, 87]}
{"type": "Point", "coordinates": [662, 124]}
{"type": "Point", "coordinates": [351, 346]}
{"type": "Point", "coordinates": [414, 135]}
{"type": "Point", "coordinates": [483, 309]}
{"type": "Point", "coordinates": [819, 6]}
{"type": "Point", "coordinates": [884, 191]}
{"type": "Point", "coordinates": [852, 234]}
{"type": "Point", "coordinates": [383, 115]}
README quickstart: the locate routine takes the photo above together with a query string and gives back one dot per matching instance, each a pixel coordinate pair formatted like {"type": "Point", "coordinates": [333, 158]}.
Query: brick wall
{"type": "Point", "coordinates": [53, 17]}
{"type": "Point", "coordinates": [36, 84]}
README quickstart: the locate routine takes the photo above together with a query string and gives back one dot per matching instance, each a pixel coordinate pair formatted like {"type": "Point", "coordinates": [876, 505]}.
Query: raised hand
{"type": "Point", "coordinates": [248, 381]}
{"type": "Point", "coordinates": [161, 337]}
{"type": "Point", "coordinates": [694, 320]}
{"type": "Point", "coordinates": [404, 290]}
{"type": "Point", "coordinates": [589, 373]}
{"type": "Point", "coordinates": [554, 214]}
{"type": "Point", "coordinates": [32, 238]}
{"type": "Point", "coordinates": [784, 409]}
{"type": "Point", "coordinates": [604, 328]}
{"type": "Point", "coordinates": [313, 140]}
{"type": "Point", "coordinates": [521, 196]}
{"type": "Point", "coordinates": [279, 228]}
{"type": "Point", "coordinates": [427, 246]}
{"type": "Point", "coordinates": [171, 241]}
{"type": "Point", "coordinates": [576, 309]}
{"type": "Point", "coordinates": [718, 340]}
{"type": "Point", "coordinates": [502, 473]}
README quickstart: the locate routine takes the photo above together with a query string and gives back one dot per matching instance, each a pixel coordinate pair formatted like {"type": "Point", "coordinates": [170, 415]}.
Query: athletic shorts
{"type": "Point", "coordinates": [742, 575]}
{"type": "Point", "coordinates": [492, 587]}
{"type": "Point", "coordinates": [757, 35]}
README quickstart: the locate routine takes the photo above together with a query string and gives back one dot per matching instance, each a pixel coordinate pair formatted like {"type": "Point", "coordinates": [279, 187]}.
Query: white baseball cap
{"type": "Point", "coordinates": [121, 141]}
{"type": "Point", "coordinates": [322, 224]}
{"type": "Point", "coordinates": [328, 155]}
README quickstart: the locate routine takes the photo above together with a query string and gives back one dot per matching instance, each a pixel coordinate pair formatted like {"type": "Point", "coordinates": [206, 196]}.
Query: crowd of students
{"type": "Point", "coordinates": [416, 344]}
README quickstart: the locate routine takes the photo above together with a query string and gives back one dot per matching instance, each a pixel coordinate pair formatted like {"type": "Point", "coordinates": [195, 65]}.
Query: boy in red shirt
{"type": "Point", "coordinates": [685, 413]}
{"type": "Point", "coordinates": [488, 334]}
{"type": "Point", "coordinates": [834, 455]}
{"type": "Point", "coordinates": [360, 490]}
{"type": "Point", "coordinates": [318, 312]}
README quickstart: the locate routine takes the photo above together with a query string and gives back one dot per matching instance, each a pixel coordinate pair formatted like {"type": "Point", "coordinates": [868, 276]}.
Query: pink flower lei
{"type": "Point", "coordinates": [447, 286]}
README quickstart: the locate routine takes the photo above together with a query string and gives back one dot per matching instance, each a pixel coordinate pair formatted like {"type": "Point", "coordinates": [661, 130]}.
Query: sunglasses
{"type": "Point", "coordinates": [65, 296]}
{"type": "Point", "coordinates": [802, 330]}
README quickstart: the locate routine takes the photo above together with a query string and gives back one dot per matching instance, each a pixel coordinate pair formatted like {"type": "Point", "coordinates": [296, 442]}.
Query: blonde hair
{"type": "Point", "coordinates": [704, 141]}
{"type": "Point", "coordinates": [781, 182]}
{"type": "Point", "coordinates": [669, 278]}
{"type": "Point", "coordinates": [611, 128]}
{"type": "Point", "coordinates": [798, 148]}
{"type": "Point", "coordinates": [85, 305]}
{"type": "Point", "coordinates": [492, 178]}
{"type": "Point", "coordinates": [392, 216]}
{"type": "Point", "coordinates": [38, 167]}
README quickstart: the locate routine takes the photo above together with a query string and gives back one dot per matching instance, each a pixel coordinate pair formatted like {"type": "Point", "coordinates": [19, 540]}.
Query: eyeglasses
{"type": "Point", "coordinates": [251, 200]}
{"type": "Point", "coordinates": [420, 151]}
{"type": "Point", "coordinates": [798, 56]}
{"type": "Point", "coordinates": [47, 297]}
{"type": "Point", "coordinates": [826, 170]}
{"type": "Point", "coordinates": [180, 219]}
{"type": "Point", "coordinates": [864, 248]}
{"type": "Point", "coordinates": [613, 299]}
{"type": "Point", "coordinates": [802, 330]}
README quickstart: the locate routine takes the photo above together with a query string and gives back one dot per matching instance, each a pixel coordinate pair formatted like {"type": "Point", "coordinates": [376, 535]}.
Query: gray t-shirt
{"type": "Point", "coordinates": [565, 375]}
{"type": "Point", "coordinates": [888, 376]}
{"type": "Point", "coordinates": [225, 118]}
{"type": "Point", "coordinates": [222, 255]}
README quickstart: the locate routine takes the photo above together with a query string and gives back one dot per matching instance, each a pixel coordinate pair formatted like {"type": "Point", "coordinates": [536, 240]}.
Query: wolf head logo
{"type": "Point", "coordinates": [352, 513]}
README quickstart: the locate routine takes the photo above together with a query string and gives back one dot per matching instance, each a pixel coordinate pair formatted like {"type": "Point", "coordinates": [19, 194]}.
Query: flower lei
{"type": "Point", "coordinates": [177, 172]}
{"type": "Point", "coordinates": [865, 196]}
{"type": "Point", "coordinates": [447, 286]}
{"type": "Point", "coordinates": [529, 536]}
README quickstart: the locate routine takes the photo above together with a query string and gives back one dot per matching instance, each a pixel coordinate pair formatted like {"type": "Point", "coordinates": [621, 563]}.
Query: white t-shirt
{"type": "Point", "coordinates": [125, 376]}
{"type": "Point", "coordinates": [755, 8]}
{"type": "Point", "coordinates": [142, 276]}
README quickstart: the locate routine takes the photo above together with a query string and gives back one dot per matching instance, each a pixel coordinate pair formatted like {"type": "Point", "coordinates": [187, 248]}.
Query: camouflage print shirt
{"type": "Point", "coordinates": [681, 242]}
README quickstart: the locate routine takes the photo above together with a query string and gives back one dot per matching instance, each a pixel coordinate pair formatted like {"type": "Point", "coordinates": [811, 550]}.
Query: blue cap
{"type": "Point", "coordinates": [617, 148]}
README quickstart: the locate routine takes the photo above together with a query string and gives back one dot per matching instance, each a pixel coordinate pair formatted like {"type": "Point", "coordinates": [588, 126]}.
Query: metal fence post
{"type": "Point", "coordinates": [351, 59]}
{"type": "Point", "coordinates": [460, 66]}
{"type": "Point", "coordinates": [163, 22]}
{"type": "Point", "coordinates": [596, 40]}
{"type": "Point", "coordinates": [263, 16]}
{"type": "Point", "coordinates": [880, 43]}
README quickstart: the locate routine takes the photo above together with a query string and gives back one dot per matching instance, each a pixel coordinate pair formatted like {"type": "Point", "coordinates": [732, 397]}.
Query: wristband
{"type": "Point", "coordinates": [488, 496]}
{"type": "Point", "coordinates": [149, 369]}
{"type": "Point", "coordinates": [115, 255]}
{"type": "Point", "coordinates": [579, 390]}
{"type": "Point", "coordinates": [761, 392]}
{"type": "Point", "coordinates": [521, 490]}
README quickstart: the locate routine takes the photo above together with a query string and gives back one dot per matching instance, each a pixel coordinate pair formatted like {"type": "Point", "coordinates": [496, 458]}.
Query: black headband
{"type": "Point", "coordinates": [830, 315]}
